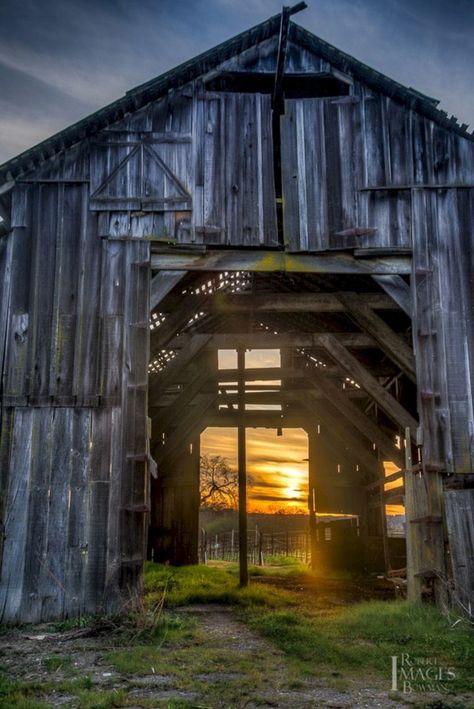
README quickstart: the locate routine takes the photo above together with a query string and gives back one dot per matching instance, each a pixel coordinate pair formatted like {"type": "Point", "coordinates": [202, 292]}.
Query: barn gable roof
{"type": "Point", "coordinates": [149, 91]}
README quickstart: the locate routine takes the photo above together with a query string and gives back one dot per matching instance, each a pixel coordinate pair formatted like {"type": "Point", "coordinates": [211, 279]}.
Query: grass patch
{"type": "Point", "coordinates": [16, 693]}
{"type": "Point", "coordinates": [365, 636]}
{"type": "Point", "coordinates": [208, 584]}
{"type": "Point", "coordinates": [101, 699]}
{"type": "Point", "coordinates": [53, 663]}
{"type": "Point", "coordinates": [350, 640]}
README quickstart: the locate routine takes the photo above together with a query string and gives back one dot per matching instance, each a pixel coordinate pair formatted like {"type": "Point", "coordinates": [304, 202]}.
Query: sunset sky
{"type": "Point", "coordinates": [276, 465]}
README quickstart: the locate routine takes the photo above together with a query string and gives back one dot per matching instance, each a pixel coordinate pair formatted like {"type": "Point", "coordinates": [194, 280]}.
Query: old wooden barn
{"type": "Point", "coordinates": [273, 192]}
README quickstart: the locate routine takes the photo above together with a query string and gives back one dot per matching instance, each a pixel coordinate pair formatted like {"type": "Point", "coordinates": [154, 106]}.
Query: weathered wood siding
{"type": "Point", "coordinates": [196, 167]}
{"type": "Point", "coordinates": [460, 527]}
{"type": "Point", "coordinates": [351, 162]}
{"type": "Point", "coordinates": [443, 327]}
{"type": "Point", "coordinates": [74, 330]}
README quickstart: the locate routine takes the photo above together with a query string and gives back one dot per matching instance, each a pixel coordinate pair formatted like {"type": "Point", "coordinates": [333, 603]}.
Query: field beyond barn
{"type": "Point", "coordinates": [289, 640]}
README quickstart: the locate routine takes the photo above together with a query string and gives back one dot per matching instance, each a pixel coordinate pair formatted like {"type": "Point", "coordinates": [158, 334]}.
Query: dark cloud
{"type": "Point", "coordinates": [86, 53]}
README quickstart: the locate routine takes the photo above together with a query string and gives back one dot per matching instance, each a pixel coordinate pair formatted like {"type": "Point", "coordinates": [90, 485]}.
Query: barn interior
{"type": "Point", "coordinates": [346, 377]}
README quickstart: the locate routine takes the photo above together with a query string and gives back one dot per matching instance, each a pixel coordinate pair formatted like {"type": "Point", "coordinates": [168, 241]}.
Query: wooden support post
{"type": "Point", "coordinates": [383, 517]}
{"type": "Point", "coordinates": [414, 582]}
{"type": "Point", "coordinates": [242, 465]}
{"type": "Point", "coordinates": [312, 436]}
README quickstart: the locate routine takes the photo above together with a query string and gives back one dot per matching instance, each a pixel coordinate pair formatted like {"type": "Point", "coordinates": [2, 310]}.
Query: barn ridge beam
{"type": "Point", "coordinates": [362, 376]}
{"type": "Point", "coordinates": [266, 340]}
{"type": "Point", "coordinates": [386, 338]}
{"type": "Point", "coordinates": [279, 302]}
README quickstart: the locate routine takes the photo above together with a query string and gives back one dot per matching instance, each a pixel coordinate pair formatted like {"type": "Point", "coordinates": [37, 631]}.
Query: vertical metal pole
{"type": "Point", "coordinates": [242, 463]}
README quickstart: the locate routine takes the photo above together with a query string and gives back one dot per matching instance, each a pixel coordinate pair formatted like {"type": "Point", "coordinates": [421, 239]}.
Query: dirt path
{"type": "Point", "coordinates": [225, 664]}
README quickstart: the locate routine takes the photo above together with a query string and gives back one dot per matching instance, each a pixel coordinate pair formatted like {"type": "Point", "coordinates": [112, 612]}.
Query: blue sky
{"type": "Point", "coordinates": [63, 59]}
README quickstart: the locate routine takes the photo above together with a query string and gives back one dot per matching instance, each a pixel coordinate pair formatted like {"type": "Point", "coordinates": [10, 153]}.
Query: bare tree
{"type": "Point", "coordinates": [219, 483]}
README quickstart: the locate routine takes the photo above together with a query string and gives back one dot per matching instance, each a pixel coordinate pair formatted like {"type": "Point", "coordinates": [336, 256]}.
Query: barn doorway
{"type": "Point", "coordinates": [346, 376]}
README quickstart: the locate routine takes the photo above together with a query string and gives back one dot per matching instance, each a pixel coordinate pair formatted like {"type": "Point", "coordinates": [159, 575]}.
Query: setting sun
{"type": "Point", "coordinates": [277, 465]}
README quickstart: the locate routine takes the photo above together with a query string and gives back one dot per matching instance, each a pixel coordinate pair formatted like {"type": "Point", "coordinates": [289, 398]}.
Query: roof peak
{"type": "Point", "coordinates": [148, 91]}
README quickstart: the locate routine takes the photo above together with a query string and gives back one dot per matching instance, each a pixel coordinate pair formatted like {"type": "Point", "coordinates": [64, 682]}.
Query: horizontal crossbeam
{"type": "Point", "coordinates": [277, 261]}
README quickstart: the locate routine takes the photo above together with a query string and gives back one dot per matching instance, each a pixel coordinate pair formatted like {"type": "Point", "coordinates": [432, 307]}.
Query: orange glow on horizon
{"type": "Point", "coordinates": [276, 465]}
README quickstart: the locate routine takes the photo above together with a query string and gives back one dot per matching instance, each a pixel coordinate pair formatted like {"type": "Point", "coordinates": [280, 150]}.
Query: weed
{"type": "Point", "coordinates": [102, 699]}
{"type": "Point", "coordinates": [53, 663]}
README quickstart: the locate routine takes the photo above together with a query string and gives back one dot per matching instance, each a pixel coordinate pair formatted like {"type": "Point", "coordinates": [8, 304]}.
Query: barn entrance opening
{"type": "Point", "coordinates": [345, 376]}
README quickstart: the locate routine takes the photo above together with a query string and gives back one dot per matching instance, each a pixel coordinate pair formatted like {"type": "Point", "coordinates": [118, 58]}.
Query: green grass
{"type": "Point", "coordinates": [101, 699]}
{"type": "Point", "coordinates": [53, 663]}
{"type": "Point", "coordinates": [208, 584]}
{"type": "Point", "coordinates": [363, 638]}
{"type": "Point", "coordinates": [349, 640]}
{"type": "Point", "coordinates": [338, 645]}
{"type": "Point", "coordinates": [28, 695]}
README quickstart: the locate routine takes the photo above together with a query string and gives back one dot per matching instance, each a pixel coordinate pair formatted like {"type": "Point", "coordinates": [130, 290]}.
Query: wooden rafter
{"type": "Point", "coordinates": [338, 428]}
{"type": "Point", "coordinates": [362, 376]}
{"type": "Point", "coordinates": [189, 427]}
{"type": "Point", "coordinates": [398, 290]}
{"type": "Point", "coordinates": [388, 341]}
{"type": "Point", "coordinates": [175, 321]}
{"type": "Point", "coordinates": [366, 426]}
{"type": "Point", "coordinates": [159, 382]}
{"type": "Point", "coordinates": [161, 284]}
{"type": "Point", "coordinates": [167, 416]}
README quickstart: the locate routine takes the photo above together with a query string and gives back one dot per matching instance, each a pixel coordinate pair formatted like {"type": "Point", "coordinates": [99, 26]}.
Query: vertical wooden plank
{"type": "Point", "coordinates": [373, 140]}
{"type": "Point", "coordinates": [15, 311]}
{"type": "Point", "coordinates": [6, 254]}
{"type": "Point", "coordinates": [42, 299]}
{"type": "Point", "coordinates": [267, 198]}
{"type": "Point", "coordinates": [37, 579]}
{"type": "Point", "coordinates": [414, 582]}
{"type": "Point", "coordinates": [198, 165]}
{"type": "Point", "coordinates": [77, 544]}
{"type": "Point", "coordinates": [86, 355]}
{"type": "Point", "coordinates": [302, 177]}
{"type": "Point", "coordinates": [460, 528]}
{"type": "Point", "coordinates": [214, 194]}
{"type": "Point", "coordinates": [65, 293]}
{"type": "Point", "coordinates": [6, 439]}
{"type": "Point", "coordinates": [289, 167]}
{"type": "Point", "coordinates": [55, 563]}
{"type": "Point", "coordinates": [16, 518]}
